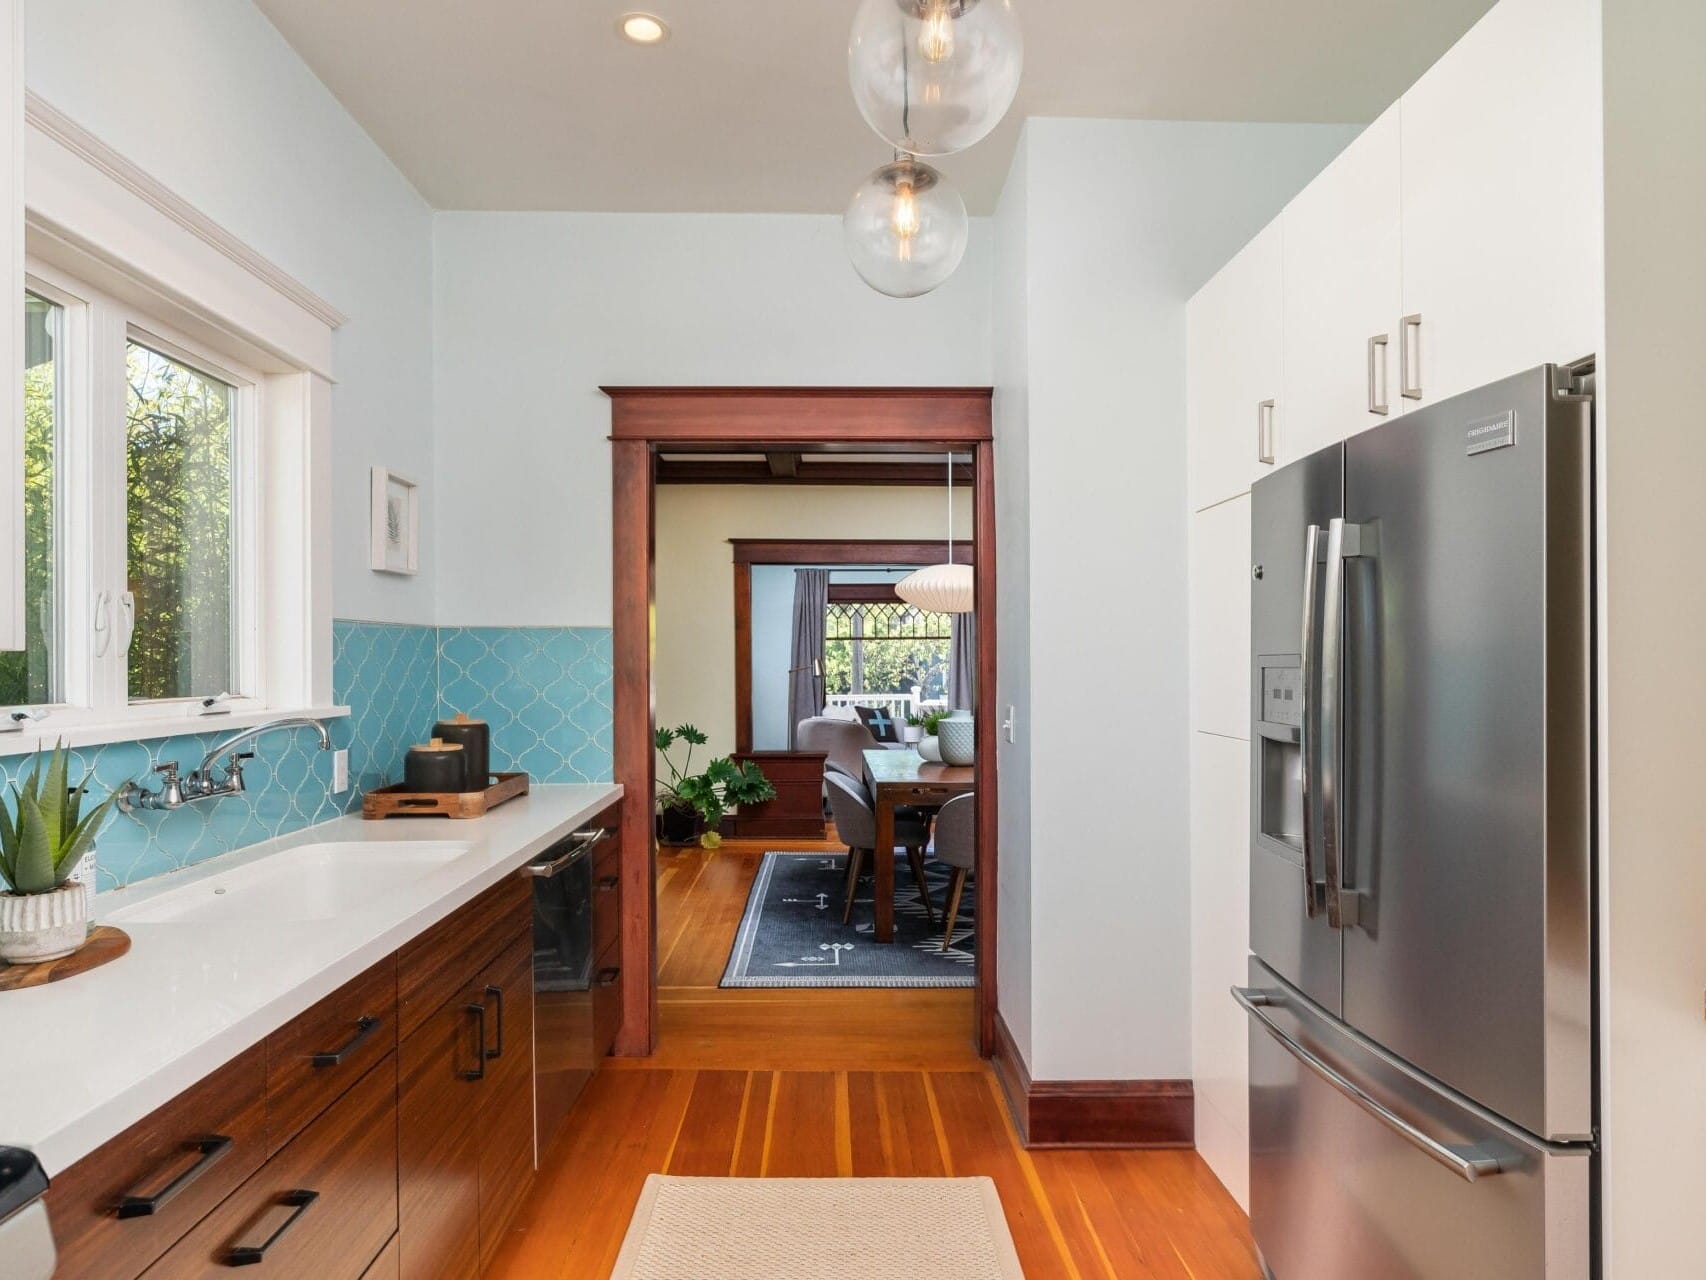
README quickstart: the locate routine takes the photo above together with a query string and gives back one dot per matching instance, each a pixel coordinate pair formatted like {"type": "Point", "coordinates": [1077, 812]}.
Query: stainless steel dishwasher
{"type": "Point", "coordinates": [563, 1039]}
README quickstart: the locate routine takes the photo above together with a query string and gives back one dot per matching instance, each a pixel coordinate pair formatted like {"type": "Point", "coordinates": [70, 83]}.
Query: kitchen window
{"type": "Point", "coordinates": [141, 555]}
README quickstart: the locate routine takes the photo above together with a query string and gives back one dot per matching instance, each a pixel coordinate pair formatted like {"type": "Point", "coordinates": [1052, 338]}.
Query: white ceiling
{"type": "Point", "coordinates": [538, 104]}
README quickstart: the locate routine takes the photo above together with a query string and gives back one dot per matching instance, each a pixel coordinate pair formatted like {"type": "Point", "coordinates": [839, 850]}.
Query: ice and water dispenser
{"type": "Point", "coordinates": [1279, 725]}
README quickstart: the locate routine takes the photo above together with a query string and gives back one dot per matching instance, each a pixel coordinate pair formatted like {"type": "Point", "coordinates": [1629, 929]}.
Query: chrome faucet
{"type": "Point", "coordinates": [203, 783]}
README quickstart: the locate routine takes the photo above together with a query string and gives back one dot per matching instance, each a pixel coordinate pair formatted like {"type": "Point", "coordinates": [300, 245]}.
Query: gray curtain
{"type": "Point", "coordinates": [805, 677]}
{"type": "Point", "coordinates": [962, 661]}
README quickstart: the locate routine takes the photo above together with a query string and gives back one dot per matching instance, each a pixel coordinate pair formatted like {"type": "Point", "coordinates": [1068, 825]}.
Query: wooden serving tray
{"type": "Point", "coordinates": [399, 802]}
{"type": "Point", "coordinates": [105, 943]}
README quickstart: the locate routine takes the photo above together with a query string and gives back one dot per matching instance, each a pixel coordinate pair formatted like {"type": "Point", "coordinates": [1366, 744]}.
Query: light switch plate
{"type": "Point", "coordinates": [340, 771]}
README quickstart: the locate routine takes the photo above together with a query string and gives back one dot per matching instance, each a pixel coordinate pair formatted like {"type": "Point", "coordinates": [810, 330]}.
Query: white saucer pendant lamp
{"type": "Point", "coordinates": [905, 228]}
{"type": "Point", "coordinates": [933, 77]}
{"type": "Point", "coordinates": [941, 588]}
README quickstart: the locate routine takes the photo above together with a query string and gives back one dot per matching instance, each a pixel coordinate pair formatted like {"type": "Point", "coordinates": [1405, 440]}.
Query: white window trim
{"type": "Point", "coordinates": [99, 229]}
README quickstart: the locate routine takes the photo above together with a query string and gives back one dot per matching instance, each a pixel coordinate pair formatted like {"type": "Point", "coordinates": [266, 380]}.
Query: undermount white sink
{"type": "Point", "coordinates": [307, 883]}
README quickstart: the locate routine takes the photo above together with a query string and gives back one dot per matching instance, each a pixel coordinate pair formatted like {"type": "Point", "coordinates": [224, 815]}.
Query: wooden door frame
{"type": "Point", "coordinates": [746, 552]}
{"type": "Point", "coordinates": [645, 420]}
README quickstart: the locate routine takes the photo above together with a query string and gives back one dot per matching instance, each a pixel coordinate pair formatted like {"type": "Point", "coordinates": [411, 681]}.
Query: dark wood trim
{"type": "Point", "coordinates": [743, 656]}
{"type": "Point", "coordinates": [858, 474]}
{"type": "Point", "coordinates": [863, 593]}
{"type": "Point", "coordinates": [797, 811]}
{"type": "Point", "coordinates": [784, 416]}
{"type": "Point", "coordinates": [634, 589]}
{"type": "Point", "coordinates": [988, 712]}
{"type": "Point", "coordinates": [765, 420]}
{"type": "Point", "coordinates": [869, 551]}
{"type": "Point", "coordinates": [1092, 1113]}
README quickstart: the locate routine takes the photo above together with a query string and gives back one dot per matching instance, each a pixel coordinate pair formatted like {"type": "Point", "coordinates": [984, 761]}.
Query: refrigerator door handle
{"type": "Point", "coordinates": [1468, 1162]}
{"type": "Point", "coordinates": [1332, 632]}
{"type": "Point", "coordinates": [1305, 741]}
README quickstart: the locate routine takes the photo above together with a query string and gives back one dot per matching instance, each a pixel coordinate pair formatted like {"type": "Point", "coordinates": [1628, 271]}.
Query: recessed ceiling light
{"type": "Point", "coordinates": [643, 28]}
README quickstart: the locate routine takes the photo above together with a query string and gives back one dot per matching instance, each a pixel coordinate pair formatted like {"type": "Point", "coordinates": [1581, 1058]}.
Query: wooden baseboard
{"type": "Point", "coordinates": [1092, 1113]}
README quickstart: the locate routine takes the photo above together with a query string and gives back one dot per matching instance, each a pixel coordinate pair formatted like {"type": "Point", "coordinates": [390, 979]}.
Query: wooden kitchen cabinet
{"type": "Point", "coordinates": [1502, 223]}
{"type": "Point", "coordinates": [507, 1155]}
{"type": "Point", "coordinates": [1234, 369]}
{"type": "Point", "coordinates": [465, 1086]}
{"type": "Point", "coordinates": [122, 1206]}
{"type": "Point", "coordinates": [1343, 296]}
{"type": "Point", "coordinates": [323, 1208]}
{"type": "Point", "coordinates": [314, 1057]}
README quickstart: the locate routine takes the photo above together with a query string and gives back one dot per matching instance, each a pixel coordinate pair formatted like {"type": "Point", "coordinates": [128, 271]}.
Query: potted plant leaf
{"type": "Point", "coordinates": [44, 834]}
{"type": "Point", "coordinates": [689, 801]}
{"type": "Point", "coordinates": [930, 746]}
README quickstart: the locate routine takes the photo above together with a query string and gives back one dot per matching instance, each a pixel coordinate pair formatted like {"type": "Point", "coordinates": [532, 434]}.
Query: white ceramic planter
{"type": "Point", "coordinates": [958, 739]}
{"type": "Point", "coordinates": [929, 748]}
{"type": "Point", "coordinates": [912, 734]}
{"type": "Point", "coordinates": [43, 926]}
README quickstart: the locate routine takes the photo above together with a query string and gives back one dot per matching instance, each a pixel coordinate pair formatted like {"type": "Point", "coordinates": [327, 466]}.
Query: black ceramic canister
{"type": "Point", "coordinates": [437, 766]}
{"type": "Point", "coordinates": [475, 739]}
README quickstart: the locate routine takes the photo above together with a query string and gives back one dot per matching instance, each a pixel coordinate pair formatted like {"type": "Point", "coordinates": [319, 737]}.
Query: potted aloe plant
{"type": "Point", "coordinates": [689, 801]}
{"type": "Point", "coordinates": [44, 834]}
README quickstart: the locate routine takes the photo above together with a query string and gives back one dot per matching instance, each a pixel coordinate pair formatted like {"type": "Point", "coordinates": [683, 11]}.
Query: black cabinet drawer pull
{"type": "Point", "coordinates": [247, 1255]}
{"type": "Point", "coordinates": [364, 1027]}
{"type": "Point", "coordinates": [605, 884]}
{"type": "Point", "coordinates": [607, 977]}
{"type": "Point", "coordinates": [497, 994]}
{"type": "Point", "coordinates": [212, 1148]}
{"type": "Point", "coordinates": [479, 1071]}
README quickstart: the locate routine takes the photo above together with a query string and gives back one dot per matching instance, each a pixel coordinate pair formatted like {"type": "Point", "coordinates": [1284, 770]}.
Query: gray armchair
{"type": "Point", "coordinates": [846, 742]}
{"type": "Point", "coordinates": [856, 823]}
{"type": "Point", "coordinates": [956, 845]}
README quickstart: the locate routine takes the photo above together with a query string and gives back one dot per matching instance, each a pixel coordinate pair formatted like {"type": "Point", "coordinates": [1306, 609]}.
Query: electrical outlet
{"type": "Point", "coordinates": [340, 771]}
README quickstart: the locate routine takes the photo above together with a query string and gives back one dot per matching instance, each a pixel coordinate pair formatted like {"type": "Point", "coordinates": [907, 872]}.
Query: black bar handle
{"type": "Point", "coordinates": [212, 1148]}
{"type": "Point", "coordinates": [364, 1027]}
{"type": "Point", "coordinates": [496, 993]}
{"type": "Point", "coordinates": [479, 1071]}
{"type": "Point", "coordinates": [605, 884]}
{"type": "Point", "coordinates": [247, 1255]}
{"type": "Point", "coordinates": [607, 977]}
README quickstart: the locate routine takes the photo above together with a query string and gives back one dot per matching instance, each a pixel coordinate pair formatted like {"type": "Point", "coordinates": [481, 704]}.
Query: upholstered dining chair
{"type": "Point", "coordinates": [856, 823]}
{"type": "Point", "coordinates": [845, 741]}
{"type": "Point", "coordinates": [956, 845]}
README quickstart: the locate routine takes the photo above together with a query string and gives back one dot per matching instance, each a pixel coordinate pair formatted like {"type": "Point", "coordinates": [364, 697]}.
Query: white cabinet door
{"type": "Point", "coordinates": [1220, 933]}
{"type": "Point", "coordinates": [1502, 243]}
{"type": "Point", "coordinates": [1220, 618]}
{"type": "Point", "coordinates": [1234, 363]}
{"type": "Point", "coordinates": [1343, 289]}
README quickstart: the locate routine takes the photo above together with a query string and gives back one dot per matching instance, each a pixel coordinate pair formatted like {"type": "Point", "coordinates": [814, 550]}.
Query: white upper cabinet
{"type": "Point", "coordinates": [1343, 295]}
{"type": "Point", "coordinates": [1501, 204]}
{"type": "Point", "coordinates": [1220, 618]}
{"type": "Point", "coordinates": [1234, 367]}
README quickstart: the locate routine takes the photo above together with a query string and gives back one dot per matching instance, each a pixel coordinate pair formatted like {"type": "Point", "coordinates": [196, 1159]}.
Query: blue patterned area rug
{"type": "Point", "coordinates": [792, 935]}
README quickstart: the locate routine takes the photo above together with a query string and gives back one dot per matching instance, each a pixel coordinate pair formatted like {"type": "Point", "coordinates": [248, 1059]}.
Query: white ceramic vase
{"type": "Point", "coordinates": [930, 749]}
{"type": "Point", "coordinates": [43, 926]}
{"type": "Point", "coordinates": [958, 738]}
{"type": "Point", "coordinates": [912, 734]}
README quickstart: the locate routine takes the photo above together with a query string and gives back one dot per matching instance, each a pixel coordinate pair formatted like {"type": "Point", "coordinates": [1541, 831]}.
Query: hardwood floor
{"type": "Point", "coordinates": [838, 1083]}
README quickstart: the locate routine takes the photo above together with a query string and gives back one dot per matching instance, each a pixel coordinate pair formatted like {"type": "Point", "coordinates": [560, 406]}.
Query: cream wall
{"type": "Point", "coordinates": [695, 663]}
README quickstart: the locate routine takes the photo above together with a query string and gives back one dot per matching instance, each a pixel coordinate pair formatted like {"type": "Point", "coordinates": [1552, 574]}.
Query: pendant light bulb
{"type": "Point", "coordinates": [905, 228]}
{"type": "Point", "coordinates": [936, 39]}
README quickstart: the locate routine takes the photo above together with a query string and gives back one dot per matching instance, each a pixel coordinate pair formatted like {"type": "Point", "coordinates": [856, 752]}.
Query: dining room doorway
{"type": "Point", "coordinates": [665, 436]}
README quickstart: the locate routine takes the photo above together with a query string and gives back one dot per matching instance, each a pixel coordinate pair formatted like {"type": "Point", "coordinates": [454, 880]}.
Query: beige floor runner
{"type": "Point", "coordinates": [817, 1229]}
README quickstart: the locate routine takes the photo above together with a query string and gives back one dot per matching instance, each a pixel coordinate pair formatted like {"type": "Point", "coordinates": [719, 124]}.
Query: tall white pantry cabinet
{"type": "Point", "coordinates": [1455, 241]}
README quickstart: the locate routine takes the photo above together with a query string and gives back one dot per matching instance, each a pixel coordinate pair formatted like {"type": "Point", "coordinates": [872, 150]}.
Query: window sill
{"type": "Point", "coordinates": [44, 734]}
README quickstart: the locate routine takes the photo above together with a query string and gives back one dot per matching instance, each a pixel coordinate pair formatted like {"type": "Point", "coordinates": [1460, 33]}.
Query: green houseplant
{"type": "Point", "coordinates": [44, 834]}
{"type": "Point", "coordinates": [929, 746]}
{"type": "Point", "coordinates": [687, 800]}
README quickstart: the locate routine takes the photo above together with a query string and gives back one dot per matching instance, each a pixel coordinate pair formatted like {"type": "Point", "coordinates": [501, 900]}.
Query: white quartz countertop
{"type": "Point", "coordinates": [91, 1055]}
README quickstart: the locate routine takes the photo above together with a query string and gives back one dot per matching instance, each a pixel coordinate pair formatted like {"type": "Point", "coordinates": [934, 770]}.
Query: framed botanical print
{"type": "Point", "coordinates": [396, 524]}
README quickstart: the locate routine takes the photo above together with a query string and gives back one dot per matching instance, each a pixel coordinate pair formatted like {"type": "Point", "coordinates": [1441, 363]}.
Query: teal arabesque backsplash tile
{"type": "Point", "coordinates": [546, 692]}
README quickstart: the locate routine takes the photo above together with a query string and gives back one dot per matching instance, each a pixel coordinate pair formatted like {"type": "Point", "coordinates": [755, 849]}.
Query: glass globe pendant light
{"type": "Point", "coordinates": [935, 76]}
{"type": "Point", "coordinates": [941, 588]}
{"type": "Point", "coordinates": [905, 228]}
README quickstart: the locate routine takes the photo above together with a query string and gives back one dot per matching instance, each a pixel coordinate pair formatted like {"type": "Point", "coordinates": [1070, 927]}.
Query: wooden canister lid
{"type": "Point", "coordinates": [437, 744]}
{"type": "Point", "coordinates": [462, 717]}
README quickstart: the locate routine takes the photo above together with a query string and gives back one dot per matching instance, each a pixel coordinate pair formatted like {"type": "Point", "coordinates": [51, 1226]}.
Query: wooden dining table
{"type": "Point", "coordinates": [897, 778]}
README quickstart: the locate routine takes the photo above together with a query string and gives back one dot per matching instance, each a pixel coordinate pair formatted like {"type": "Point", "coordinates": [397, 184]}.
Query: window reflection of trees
{"type": "Point", "coordinates": [885, 648]}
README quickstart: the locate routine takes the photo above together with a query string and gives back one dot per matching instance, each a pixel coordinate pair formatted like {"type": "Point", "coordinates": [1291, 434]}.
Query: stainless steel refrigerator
{"type": "Point", "coordinates": [1421, 997]}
